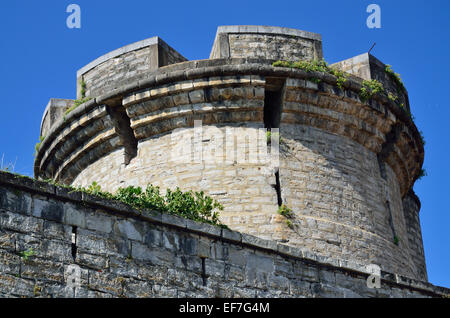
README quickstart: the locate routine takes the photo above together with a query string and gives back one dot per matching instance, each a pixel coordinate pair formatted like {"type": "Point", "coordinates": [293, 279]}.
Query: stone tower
{"type": "Point", "coordinates": [346, 169]}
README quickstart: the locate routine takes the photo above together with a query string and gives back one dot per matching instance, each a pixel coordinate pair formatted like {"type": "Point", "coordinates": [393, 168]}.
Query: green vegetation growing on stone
{"type": "Point", "coordinates": [369, 89]}
{"type": "Point", "coordinates": [285, 211]}
{"type": "Point", "coordinates": [422, 173]}
{"type": "Point", "coordinates": [192, 205]}
{"type": "Point", "coordinates": [395, 78]}
{"type": "Point", "coordinates": [396, 240]}
{"type": "Point", "coordinates": [269, 135]}
{"type": "Point", "coordinates": [27, 254]}
{"type": "Point", "coordinates": [83, 88]}
{"type": "Point", "coordinates": [37, 290]}
{"type": "Point", "coordinates": [77, 103]}
{"type": "Point", "coordinates": [289, 224]}
{"type": "Point", "coordinates": [315, 66]}
{"type": "Point", "coordinates": [38, 145]}
{"type": "Point", "coordinates": [393, 98]}
{"type": "Point", "coordinates": [288, 214]}
{"type": "Point", "coordinates": [422, 137]}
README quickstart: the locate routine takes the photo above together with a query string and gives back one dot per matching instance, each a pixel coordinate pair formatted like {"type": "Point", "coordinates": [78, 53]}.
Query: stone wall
{"type": "Point", "coordinates": [346, 164]}
{"type": "Point", "coordinates": [271, 43]}
{"type": "Point", "coordinates": [126, 253]}
{"type": "Point", "coordinates": [411, 208]}
{"type": "Point", "coordinates": [124, 65]}
{"type": "Point", "coordinates": [55, 110]}
{"type": "Point", "coordinates": [368, 67]}
{"type": "Point", "coordinates": [347, 201]}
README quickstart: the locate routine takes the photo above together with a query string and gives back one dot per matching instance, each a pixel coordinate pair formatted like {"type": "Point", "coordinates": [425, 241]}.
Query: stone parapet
{"type": "Point", "coordinates": [266, 42]}
{"type": "Point", "coordinates": [368, 67]}
{"type": "Point", "coordinates": [54, 111]}
{"type": "Point", "coordinates": [122, 252]}
{"type": "Point", "coordinates": [124, 64]}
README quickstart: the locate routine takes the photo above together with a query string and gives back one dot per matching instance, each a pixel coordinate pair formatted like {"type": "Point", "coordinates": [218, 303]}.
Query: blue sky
{"type": "Point", "coordinates": [40, 57]}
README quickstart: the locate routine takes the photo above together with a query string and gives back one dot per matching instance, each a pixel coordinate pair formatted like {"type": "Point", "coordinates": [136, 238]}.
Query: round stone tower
{"type": "Point", "coordinates": [344, 166]}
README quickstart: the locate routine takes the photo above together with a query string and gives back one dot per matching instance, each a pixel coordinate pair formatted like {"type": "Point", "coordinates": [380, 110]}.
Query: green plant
{"type": "Point", "coordinates": [340, 76]}
{"type": "Point", "coordinates": [27, 254]}
{"type": "Point", "coordinates": [37, 290]}
{"type": "Point", "coordinates": [282, 64]}
{"type": "Point", "coordinates": [77, 103]}
{"type": "Point", "coordinates": [38, 145]}
{"type": "Point", "coordinates": [369, 89]}
{"type": "Point", "coordinates": [395, 77]}
{"type": "Point", "coordinates": [394, 98]}
{"type": "Point", "coordinates": [422, 173]}
{"type": "Point", "coordinates": [422, 137]}
{"type": "Point", "coordinates": [285, 211]}
{"type": "Point", "coordinates": [315, 66]}
{"type": "Point", "coordinates": [129, 258]}
{"type": "Point", "coordinates": [192, 205]}
{"type": "Point", "coordinates": [396, 240]}
{"type": "Point", "coordinates": [94, 188]}
{"type": "Point", "coordinates": [83, 88]}
{"type": "Point", "coordinates": [269, 135]}
{"type": "Point", "coordinates": [289, 224]}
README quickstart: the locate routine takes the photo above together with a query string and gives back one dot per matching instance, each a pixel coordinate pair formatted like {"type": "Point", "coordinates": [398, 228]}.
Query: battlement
{"type": "Point", "coordinates": [118, 67]}
{"type": "Point", "coordinates": [368, 67]}
{"type": "Point", "coordinates": [266, 42]}
{"type": "Point", "coordinates": [347, 164]}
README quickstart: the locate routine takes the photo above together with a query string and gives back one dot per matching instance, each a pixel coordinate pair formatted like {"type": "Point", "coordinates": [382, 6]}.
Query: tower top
{"type": "Point", "coordinates": [268, 42]}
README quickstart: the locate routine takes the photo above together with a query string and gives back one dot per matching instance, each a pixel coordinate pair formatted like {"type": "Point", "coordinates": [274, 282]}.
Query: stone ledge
{"type": "Point", "coordinates": [111, 207]}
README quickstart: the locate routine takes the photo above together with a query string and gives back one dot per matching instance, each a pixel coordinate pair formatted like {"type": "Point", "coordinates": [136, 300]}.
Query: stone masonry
{"type": "Point", "coordinates": [346, 166]}
{"type": "Point", "coordinates": [121, 252]}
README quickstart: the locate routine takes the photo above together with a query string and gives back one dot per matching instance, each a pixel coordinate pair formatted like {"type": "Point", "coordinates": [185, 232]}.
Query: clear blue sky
{"type": "Point", "coordinates": [40, 57]}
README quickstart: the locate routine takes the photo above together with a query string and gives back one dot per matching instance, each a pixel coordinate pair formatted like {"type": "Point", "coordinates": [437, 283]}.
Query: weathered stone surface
{"type": "Point", "coordinates": [129, 62]}
{"type": "Point", "coordinates": [273, 43]}
{"type": "Point", "coordinates": [346, 167]}
{"type": "Point", "coordinates": [138, 258]}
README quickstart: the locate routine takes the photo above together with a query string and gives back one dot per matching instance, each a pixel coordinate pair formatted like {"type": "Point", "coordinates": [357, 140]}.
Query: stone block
{"type": "Point", "coordinates": [130, 229]}
{"type": "Point", "coordinates": [48, 209]}
{"type": "Point", "coordinates": [97, 221]}
{"type": "Point", "coordinates": [74, 215]}
{"type": "Point", "coordinates": [15, 201]}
